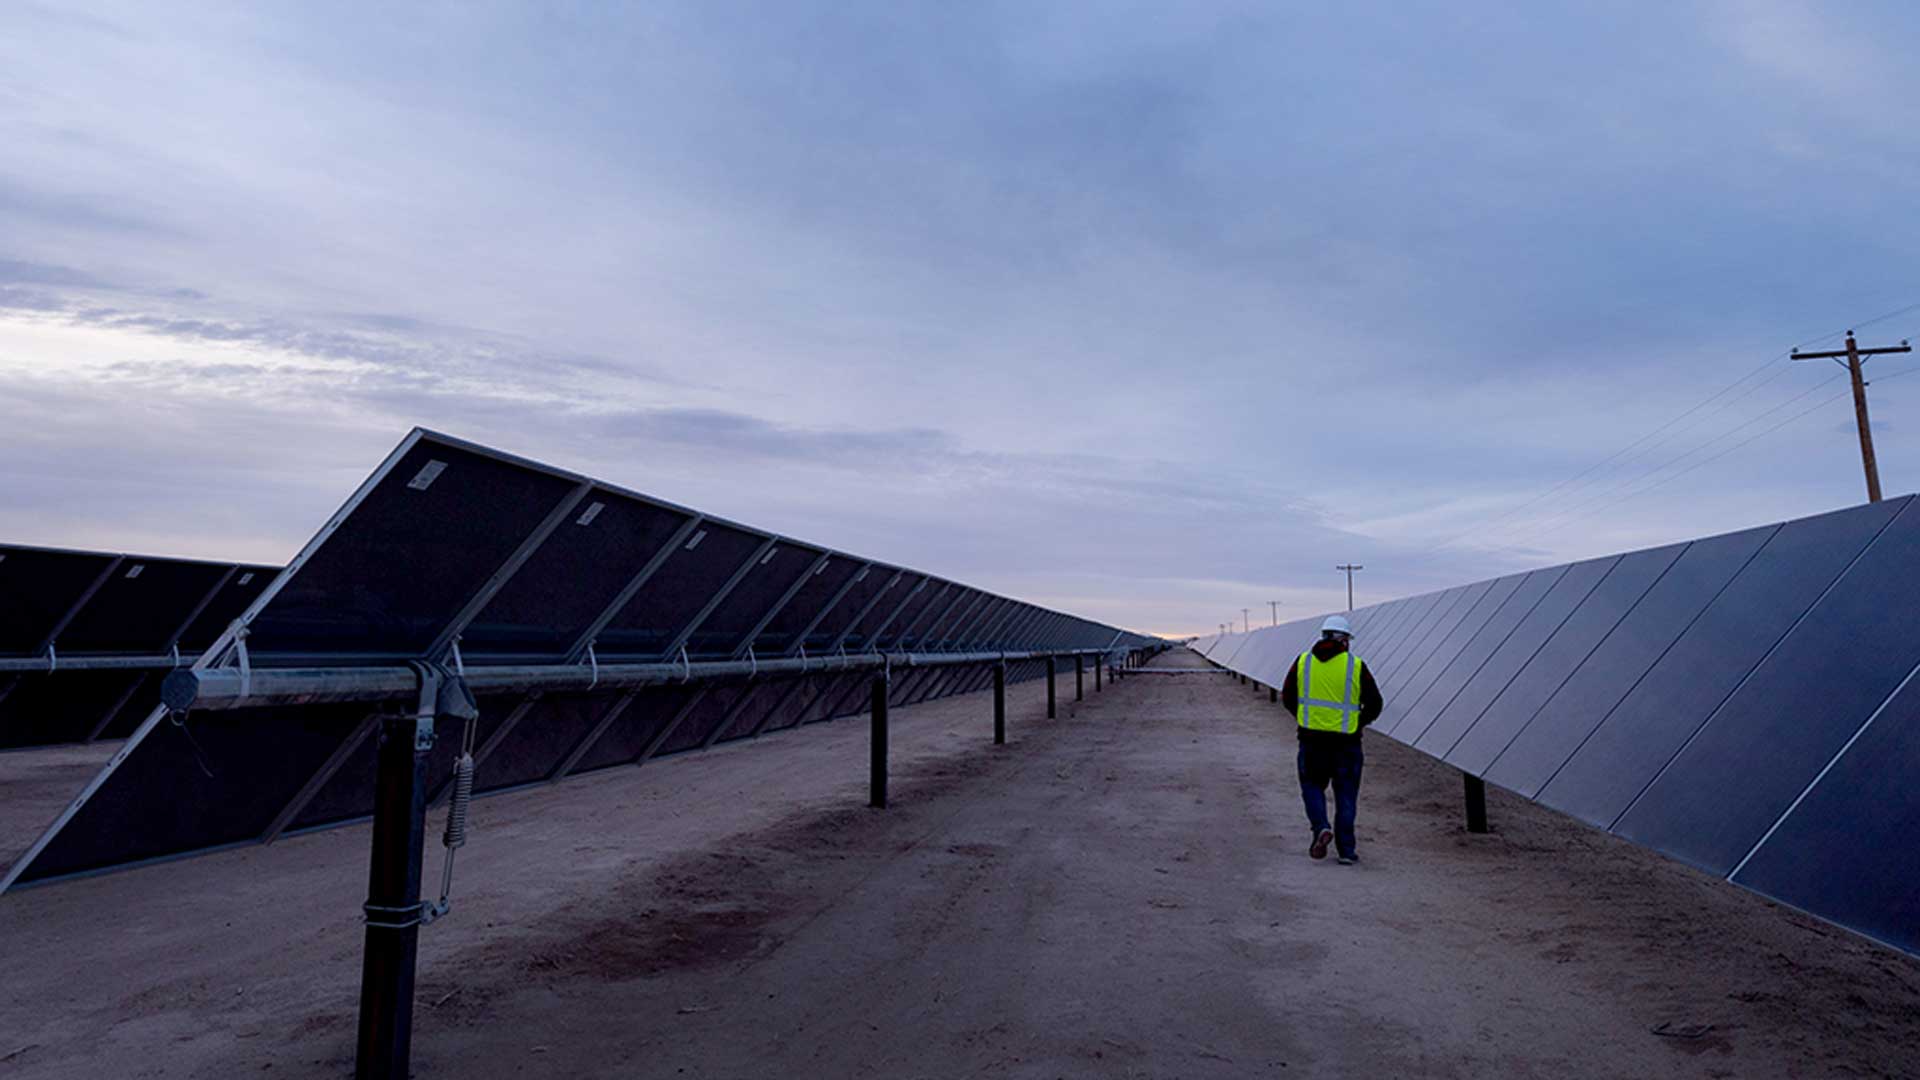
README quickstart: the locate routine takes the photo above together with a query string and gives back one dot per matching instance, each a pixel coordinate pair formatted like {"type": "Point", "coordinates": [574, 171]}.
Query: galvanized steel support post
{"type": "Point", "coordinates": [1053, 670]}
{"type": "Point", "coordinates": [877, 776]}
{"type": "Point", "coordinates": [393, 893]}
{"type": "Point", "coordinates": [1000, 703]}
{"type": "Point", "coordinates": [1476, 803]}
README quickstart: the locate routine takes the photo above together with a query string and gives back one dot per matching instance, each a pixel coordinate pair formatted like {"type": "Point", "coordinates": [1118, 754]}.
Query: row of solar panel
{"type": "Point", "coordinates": [254, 775]}
{"type": "Point", "coordinates": [521, 564]}
{"type": "Point", "coordinates": [77, 605]}
{"type": "Point", "coordinates": [1744, 703]}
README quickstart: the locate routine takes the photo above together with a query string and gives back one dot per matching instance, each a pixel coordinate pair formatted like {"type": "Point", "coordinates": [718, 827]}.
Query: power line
{"type": "Point", "coordinates": [1611, 457]}
{"type": "Point", "coordinates": [1816, 407]}
{"type": "Point", "coordinates": [1572, 485]}
{"type": "Point", "coordinates": [1669, 463]}
{"type": "Point", "coordinates": [1873, 486]}
{"type": "Point", "coordinates": [1803, 414]}
{"type": "Point", "coordinates": [1675, 433]}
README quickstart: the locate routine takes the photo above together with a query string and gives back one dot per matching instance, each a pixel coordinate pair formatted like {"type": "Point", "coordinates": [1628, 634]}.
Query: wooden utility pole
{"type": "Point", "coordinates": [1245, 621]}
{"type": "Point", "coordinates": [1854, 355]}
{"type": "Point", "coordinates": [1349, 568]}
{"type": "Point", "coordinates": [1274, 606]}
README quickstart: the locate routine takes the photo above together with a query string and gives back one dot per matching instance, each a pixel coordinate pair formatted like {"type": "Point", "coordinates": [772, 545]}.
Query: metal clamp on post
{"type": "Point", "coordinates": [246, 665]}
{"type": "Point", "coordinates": [53, 658]}
{"type": "Point", "coordinates": [593, 659]}
{"type": "Point", "coordinates": [396, 918]}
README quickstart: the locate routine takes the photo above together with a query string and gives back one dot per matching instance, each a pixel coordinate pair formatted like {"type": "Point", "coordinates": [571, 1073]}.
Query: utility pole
{"type": "Point", "coordinates": [1854, 354]}
{"type": "Point", "coordinates": [1349, 568]}
{"type": "Point", "coordinates": [1274, 605]}
{"type": "Point", "coordinates": [1246, 623]}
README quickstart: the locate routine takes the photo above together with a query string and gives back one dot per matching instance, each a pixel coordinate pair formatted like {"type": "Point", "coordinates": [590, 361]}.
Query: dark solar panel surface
{"type": "Point", "coordinates": [1712, 657]}
{"type": "Point", "coordinates": [1564, 651]}
{"type": "Point", "coordinates": [1846, 851]}
{"type": "Point", "coordinates": [1811, 693]}
{"type": "Point", "coordinates": [63, 608]}
{"type": "Point", "coordinates": [1569, 590]}
{"type": "Point", "coordinates": [517, 563]}
{"type": "Point", "coordinates": [1430, 669]}
{"type": "Point", "coordinates": [1747, 703]}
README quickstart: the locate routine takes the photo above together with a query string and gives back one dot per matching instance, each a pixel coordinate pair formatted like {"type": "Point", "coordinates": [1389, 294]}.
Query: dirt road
{"type": "Point", "coordinates": [1122, 892]}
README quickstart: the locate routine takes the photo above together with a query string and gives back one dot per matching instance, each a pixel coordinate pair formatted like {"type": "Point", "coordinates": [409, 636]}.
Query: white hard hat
{"type": "Point", "coordinates": [1336, 624]}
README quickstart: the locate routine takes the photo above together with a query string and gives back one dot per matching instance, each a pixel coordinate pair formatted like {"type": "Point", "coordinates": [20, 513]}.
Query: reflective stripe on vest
{"type": "Point", "coordinates": [1329, 692]}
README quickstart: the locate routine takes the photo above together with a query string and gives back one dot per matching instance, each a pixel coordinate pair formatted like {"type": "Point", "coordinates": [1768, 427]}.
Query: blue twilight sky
{"type": "Point", "coordinates": [1153, 311]}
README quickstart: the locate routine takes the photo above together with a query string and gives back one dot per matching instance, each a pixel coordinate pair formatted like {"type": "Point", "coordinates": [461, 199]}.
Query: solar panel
{"type": "Point", "coordinates": [1568, 591]}
{"type": "Point", "coordinates": [86, 635]}
{"type": "Point", "coordinates": [1747, 703]}
{"type": "Point", "coordinates": [1570, 716]}
{"type": "Point", "coordinates": [1456, 631]}
{"type": "Point", "coordinates": [43, 589]}
{"type": "Point", "coordinates": [1708, 661]}
{"type": "Point", "coordinates": [1760, 749]}
{"type": "Point", "coordinates": [1563, 651]}
{"type": "Point", "coordinates": [1405, 664]}
{"type": "Point", "coordinates": [540, 579]}
{"type": "Point", "coordinates": [1442, 640]}
{"type": "Point", "coordinates": [1388, 643]}
{"type": "Point", "coordinates": [1864, 878]}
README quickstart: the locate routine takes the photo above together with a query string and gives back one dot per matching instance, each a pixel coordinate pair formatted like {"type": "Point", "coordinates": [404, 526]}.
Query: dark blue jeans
{"type": "Point", "coordinates": [1340, 763]}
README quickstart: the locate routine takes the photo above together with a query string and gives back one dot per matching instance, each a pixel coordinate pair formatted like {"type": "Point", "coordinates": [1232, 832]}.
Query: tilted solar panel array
{"type": "Point", "coordinates": [62, 611]}
{"type": "Point", "coordinates": [517, 564]}
{"type": "Point", "coordinates": [1745, 703]}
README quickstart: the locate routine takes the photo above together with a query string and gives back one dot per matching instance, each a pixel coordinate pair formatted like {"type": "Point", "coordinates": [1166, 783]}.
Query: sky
{"type": "Point", "coordinates": [1152, 312]}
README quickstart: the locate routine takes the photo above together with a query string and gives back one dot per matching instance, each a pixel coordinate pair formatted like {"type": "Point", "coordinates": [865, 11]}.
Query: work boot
{"type": "Point", "coordinates": [1320, 841]}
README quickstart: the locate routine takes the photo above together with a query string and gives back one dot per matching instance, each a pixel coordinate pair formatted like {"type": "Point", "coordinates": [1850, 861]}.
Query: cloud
{"type": "Point", "coordinates": [1144, 307]}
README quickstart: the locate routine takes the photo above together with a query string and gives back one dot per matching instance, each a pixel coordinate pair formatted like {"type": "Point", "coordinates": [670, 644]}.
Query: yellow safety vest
{"type": "Point", "coordinates": [1329, 692]}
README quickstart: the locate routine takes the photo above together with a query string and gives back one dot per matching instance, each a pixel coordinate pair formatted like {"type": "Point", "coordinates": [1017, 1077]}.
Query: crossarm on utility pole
{"type": "Point", "coordinates": [1854, 354]}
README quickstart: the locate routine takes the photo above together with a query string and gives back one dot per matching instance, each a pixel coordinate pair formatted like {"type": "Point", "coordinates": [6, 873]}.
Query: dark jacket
{"type": "Point", "coordinates": [1370, 700]}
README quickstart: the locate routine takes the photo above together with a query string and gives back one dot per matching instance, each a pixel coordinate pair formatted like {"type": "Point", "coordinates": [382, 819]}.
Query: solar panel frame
{"type": "Point", "coordinates": [1503, 664]}
{"type": "Point", "coordinates": [1709, 660]}
{"type": "Point", "coordinates": [1462, 648]}
{"type": "Point", "coordinates": [1560, 656]}
{"type": "Point", "coordinates": [534, 736]}
{"type": "Point", "coordinates": [1767, 740]}
{"type": "Point", "coordinates": [1562, 725]}
{"type": "Point", "coordinates": [1868, 784]}
{"type": "Point", "coordinates": [1429, 657]}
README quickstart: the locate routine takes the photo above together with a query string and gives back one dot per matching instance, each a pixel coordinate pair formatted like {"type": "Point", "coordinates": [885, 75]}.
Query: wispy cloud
{"type": "Point", "coordinates": [1144, 307]}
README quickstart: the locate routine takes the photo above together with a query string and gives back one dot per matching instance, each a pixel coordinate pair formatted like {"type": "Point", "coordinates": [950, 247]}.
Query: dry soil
{"type": "Point", "coordinates": [1120, 892]}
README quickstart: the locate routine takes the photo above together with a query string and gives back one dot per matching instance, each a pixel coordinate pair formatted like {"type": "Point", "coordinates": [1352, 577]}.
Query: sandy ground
{"type": "Point", "coordinates": [1123, 892]}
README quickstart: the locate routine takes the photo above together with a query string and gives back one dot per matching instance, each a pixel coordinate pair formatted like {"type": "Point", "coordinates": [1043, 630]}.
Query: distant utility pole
{"type": "Point", "coordinates": [1349, 568]}
{"type": "Point", "coordinates": [1245, 621]}
{"type": "Point", "coordinates": [1275, 606]}
{"type": "Point", "coordinates": [1854, 355]}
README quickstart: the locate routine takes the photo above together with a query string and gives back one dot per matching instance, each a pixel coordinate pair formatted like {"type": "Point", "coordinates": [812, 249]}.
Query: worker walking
{"type": "Point", "coordinates": [1333, 696]}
